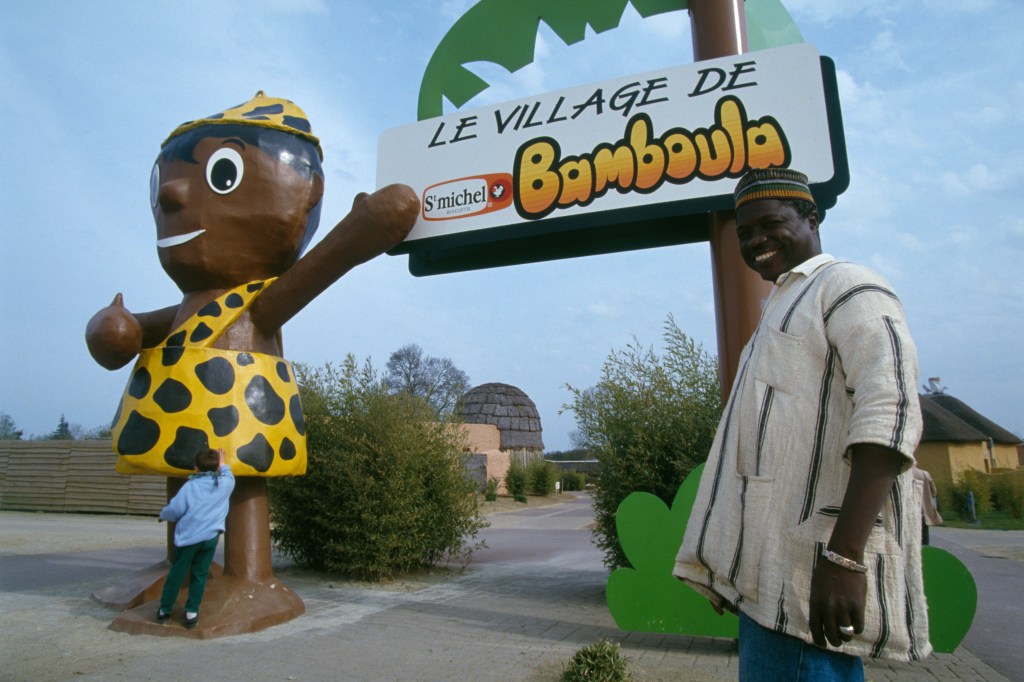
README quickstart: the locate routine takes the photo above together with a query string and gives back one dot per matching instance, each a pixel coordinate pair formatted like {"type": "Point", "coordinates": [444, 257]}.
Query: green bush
{"type": "Point", "coordinates": [649, 420]}
{"type": "Point", "coordinates": [978, 483]}
{"type": "Point", "coordinates": [1008, 493]}
{"type": "Point", "coordinates": [945, 496]}
{"type": "Point", "coordinates": [541, 476]}
{"type": "Point", "coordinates": [491, 489]}
{"type": "Point", "coordinates": [599, 662]}
{"type": "Point", "coordinates": [567, 455]}
{"type": "Point", "coordinates": [516, 480]}
{"type": "Point", "coordinates": [573, 480]}
{"type": "Point", "coordinates": [385, 491]}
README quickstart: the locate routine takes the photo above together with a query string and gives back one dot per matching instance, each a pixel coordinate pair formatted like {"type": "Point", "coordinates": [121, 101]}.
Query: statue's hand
{"type": "Point", "coordinates": [114, 335]}
{"type": "Point", "coordinates": [380, 221]}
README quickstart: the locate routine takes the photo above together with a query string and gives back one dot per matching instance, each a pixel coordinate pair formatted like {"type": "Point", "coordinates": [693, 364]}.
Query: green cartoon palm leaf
{"type": "Point", "coordinates": [504, 32]}
{"type": "Point", "coordinates": [647, 598]}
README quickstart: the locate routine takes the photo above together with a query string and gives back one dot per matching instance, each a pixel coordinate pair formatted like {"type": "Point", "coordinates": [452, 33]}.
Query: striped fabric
{"type": "Point", "coordinates": [772, 183]}
{"type": "Point", "coordinates": [830, 365]}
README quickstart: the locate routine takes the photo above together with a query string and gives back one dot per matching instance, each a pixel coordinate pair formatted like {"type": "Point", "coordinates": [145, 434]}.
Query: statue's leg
{"type": "Point", "coordinates": [247, 540]}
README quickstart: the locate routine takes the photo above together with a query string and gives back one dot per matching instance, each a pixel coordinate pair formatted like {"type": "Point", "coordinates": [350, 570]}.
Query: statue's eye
{"type": "Point", "coordinates": [224, 170]}
{"type": "Point", "coordinates": [154, 185]}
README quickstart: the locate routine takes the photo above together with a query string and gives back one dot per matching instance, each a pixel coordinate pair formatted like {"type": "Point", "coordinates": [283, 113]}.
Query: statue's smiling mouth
{"type": "Point", "coordinates": [177, 239]}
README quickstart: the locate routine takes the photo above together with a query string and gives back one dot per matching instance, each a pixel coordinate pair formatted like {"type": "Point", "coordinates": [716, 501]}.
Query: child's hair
{"type": "Point", "coordinates": [207, 460]}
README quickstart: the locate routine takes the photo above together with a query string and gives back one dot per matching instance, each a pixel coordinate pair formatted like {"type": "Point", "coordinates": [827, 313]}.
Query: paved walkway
{"type": "Point", "coordinates": [521, 609]}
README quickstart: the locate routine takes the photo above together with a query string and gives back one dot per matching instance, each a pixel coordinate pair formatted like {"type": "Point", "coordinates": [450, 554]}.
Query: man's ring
{"type": "Point", "coordinates": [846, 629]}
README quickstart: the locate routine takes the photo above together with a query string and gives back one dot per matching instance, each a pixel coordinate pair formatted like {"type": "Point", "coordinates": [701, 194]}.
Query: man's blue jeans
{"type": "Point", "coordinates": [767, 656]}
{"type": "Point", "coordinates": [192, 561]}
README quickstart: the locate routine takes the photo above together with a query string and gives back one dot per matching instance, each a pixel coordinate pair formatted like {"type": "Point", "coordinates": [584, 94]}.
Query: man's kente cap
{"type": "Point", "coordinates": [266, 112]}
{"type": "Point", "coordinates": [772, 183]}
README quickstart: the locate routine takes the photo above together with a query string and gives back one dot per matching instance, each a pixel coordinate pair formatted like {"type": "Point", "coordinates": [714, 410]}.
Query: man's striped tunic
{"type": "Point", "coordinates": [831, 364]}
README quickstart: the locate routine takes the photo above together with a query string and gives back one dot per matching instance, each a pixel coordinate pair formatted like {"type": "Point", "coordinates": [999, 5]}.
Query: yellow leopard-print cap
{"type": "Point", "coordinates": [268, 112]}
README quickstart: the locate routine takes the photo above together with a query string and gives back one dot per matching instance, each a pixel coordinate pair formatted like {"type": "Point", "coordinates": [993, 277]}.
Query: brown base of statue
{"type": "Point", "coordinates": [243, 596]}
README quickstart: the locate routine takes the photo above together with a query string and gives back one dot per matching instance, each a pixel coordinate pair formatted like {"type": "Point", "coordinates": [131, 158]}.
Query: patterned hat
{"type": "Point", "coordinates": [267, 112]}
{"type": "Point", "coordinates": [772, 183]}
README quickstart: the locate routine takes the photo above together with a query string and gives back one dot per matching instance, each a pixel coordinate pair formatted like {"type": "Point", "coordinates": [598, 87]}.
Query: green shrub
{"type": "Point", "coordinates": [541, 476]}
{"type": "Point", "coordinates": [516, 480]}
{"type": "Point", "coordinates": [491, 489]}
{"type": "Point", "coordinates": [599, 662]}
{"type": "Point", "coordinates": [977, 483]}
{"type": "Point", "coordinates": [385, 491]}
{"type": "Point", "coordinates": [573, 480]}
{"type": "Point", "coordinates": [567, 455]}
{"type": "Point", "coordinates": [649, 420]}
{"type": "Point", "coordinates": [945, 496]}
{"type": "Point", "coordinates": [1008, 493]}
{"type": "Point", "coordinates": [520, 498]}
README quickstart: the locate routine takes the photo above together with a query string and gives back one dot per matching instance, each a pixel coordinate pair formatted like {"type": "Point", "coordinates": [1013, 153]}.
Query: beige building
{"type": "Point", "coordinates": [482, 455]}
{"type": "Point", "coordinates": [956, 438]}
{"type": "Point", "coordinates": [502, 425]}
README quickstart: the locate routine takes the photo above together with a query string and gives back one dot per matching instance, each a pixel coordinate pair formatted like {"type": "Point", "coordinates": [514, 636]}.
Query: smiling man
{"type": "Point", "coordinates": [806, 519]}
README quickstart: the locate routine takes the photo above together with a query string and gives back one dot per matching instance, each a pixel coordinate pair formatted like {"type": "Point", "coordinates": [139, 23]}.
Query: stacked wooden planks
{"type": "Point", "coordinates": [73, 476]}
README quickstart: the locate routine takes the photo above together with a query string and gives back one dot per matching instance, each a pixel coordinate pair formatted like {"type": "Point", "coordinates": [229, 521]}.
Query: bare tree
{"type": "Point", "coordinates": [437, 380]}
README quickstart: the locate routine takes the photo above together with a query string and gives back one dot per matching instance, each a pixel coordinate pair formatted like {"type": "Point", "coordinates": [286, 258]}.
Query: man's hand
{"type": "Point", "coordinates": [838, 594]}
{"type": "Point", "coordinates": [837, 600]}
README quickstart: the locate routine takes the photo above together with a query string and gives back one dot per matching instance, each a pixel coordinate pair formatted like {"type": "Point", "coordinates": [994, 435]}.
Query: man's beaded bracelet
{"type": "Point", "coordinates": [848, 564]}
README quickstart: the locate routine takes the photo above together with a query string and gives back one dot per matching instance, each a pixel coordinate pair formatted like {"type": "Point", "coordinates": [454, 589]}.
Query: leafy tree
{"type": "Point", "coordinates": [63, 431]}
{"type": "Point", "coordinates": [385, 492]}
{"type": "Point", "coordinates": [649, 420]}
{"type": "Point", "coordinates": [437, 380]}
{"type": "Point", "coordinates": [8, 429]}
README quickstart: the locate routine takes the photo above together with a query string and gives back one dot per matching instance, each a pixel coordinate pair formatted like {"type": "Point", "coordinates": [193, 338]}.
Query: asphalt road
{"type": "Point", "coordinates": [520, 610]}
{"type": "Point", "coordinates": [996, 561]}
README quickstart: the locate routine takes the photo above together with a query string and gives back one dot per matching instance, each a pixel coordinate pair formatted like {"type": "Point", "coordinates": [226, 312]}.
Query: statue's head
{"type": "Point", "coordinates": [236, 196]}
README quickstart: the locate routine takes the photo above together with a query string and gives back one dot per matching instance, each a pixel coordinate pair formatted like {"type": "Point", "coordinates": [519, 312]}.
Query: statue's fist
{"type": "Point", "coordinates": [113, 335]}
{"type": "Point", "coordinates": [379, 221]}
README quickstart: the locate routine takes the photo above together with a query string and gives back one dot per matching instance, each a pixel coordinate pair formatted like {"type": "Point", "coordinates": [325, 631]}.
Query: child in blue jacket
{"type": "Point", "coordinates": [199, 509]}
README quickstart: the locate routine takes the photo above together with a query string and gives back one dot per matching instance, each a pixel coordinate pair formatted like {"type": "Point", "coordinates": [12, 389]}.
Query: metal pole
{"type": "Point", "coordinates": [718, 28]}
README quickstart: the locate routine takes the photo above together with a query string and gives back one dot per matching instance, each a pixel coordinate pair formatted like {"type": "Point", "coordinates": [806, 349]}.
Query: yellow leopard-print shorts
{"type": "Point", "coordinates": [184, 396]}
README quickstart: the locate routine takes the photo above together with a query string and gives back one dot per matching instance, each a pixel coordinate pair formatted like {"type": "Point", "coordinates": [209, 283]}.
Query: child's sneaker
{"type": "Point", "coordinates": [162, 616]}
{"type": "Point", "coordinates": [191, 622]}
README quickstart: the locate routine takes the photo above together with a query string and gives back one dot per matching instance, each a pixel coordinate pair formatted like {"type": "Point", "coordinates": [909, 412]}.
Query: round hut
{"type": "Point", "coordinates": [512, 412]}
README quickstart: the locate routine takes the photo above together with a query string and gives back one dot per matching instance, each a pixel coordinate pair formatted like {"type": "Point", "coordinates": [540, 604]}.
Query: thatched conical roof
{"type": "Point", "coordinates": [507, 408]}
{"type": "Point", "coordinates": [948, 419]}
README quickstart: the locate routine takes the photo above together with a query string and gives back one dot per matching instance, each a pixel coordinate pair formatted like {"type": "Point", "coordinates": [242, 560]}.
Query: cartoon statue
{"type": "Point", "coordinates": [236, 197]}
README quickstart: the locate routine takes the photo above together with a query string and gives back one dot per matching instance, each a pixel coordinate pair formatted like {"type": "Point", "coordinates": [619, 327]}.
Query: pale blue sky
{"type": "Point", "coordinates": [933, 104]}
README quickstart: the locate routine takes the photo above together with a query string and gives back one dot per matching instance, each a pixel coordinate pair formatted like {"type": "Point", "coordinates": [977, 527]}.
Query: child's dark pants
{"type": "Point", "coordinates": [191, 558]}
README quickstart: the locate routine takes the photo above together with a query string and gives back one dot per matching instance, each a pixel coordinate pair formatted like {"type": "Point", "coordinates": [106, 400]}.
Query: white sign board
{"type": "Point", "coordinates": [668, 142]}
